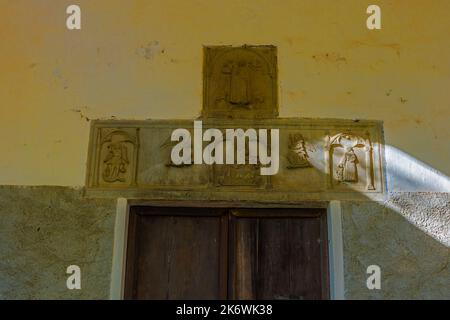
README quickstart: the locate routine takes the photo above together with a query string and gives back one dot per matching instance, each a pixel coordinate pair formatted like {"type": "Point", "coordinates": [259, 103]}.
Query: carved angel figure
{"type": "Point", "coordinates": [297, 155]}
{"type": "Point", "coordinates": [116, 162]}
{"type": "Point", "coordinates": [346, 169]}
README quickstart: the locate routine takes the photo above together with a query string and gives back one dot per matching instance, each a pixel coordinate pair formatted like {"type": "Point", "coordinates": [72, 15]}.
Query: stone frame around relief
{"type": "Point", "coordinates": [365, 151]}
{"type": "Point", "coordinates": [105, 142]}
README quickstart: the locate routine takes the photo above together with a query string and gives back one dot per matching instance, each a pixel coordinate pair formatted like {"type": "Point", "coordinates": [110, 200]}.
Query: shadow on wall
{"type": "Point", "coordinates": [408, 235]}
{"type": "Point", "coordinates": [409, 243]}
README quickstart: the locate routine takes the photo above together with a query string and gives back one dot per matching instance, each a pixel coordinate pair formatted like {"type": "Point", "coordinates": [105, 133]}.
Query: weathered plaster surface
{"type": "Point", "coordinates": [143, 59]}
{"type": "Point", "coordinates": [408, 237]}
{"type": "Point", "coordinates": [45, 229]}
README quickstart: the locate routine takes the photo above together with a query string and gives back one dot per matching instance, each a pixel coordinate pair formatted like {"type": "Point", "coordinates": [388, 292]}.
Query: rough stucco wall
{"type": "Point", "coordinates": [43, 230]}
{"type": "Point", "coordinates": [408, 237]}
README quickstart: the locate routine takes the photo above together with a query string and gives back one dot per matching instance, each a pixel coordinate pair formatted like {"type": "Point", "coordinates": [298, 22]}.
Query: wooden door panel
{"type": "Point", "coordinates": [176, 257]}
{"type": "Point", "coordinates": [279, 258]}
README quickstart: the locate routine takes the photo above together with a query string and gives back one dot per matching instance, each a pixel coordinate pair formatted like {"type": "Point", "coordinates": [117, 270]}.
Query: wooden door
{"type": "Point", "coordinates": [192, 253]}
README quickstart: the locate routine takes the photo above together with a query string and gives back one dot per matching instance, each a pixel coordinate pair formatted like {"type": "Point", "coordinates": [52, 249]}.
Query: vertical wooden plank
{"type": "Point", "coordinates": [223, 256]}
{"type": "Point", "coordinates": [131, 253]}
{"type": "Point", "coordinates": [245, 259]}
{"type": "Point", "coordinates": [231, 258]}
{"type": "Point", "coordinates": [306, 258]}
{"type": "Point", "coordinates": [325, 257]}
{"type": "Point", "coordinates": [273, 259]}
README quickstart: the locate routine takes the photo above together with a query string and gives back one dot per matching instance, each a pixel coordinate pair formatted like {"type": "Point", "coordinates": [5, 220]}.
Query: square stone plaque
{"type": "Point", "coordinates": [240, 82]}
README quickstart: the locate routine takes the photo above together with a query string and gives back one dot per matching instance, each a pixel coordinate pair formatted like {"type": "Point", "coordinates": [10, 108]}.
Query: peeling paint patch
{"type": "Point", "coordinates": [404, 121]}
{"type": "Point", "coordinates": [329, 58]}
{"type": "Point", "coordinates": [81, 113]}
{"type": "Point", "coordinates": [57, 73]}
{"type": "Point", "coordinates": [293, 95]}
{"type": "Point", "coordinates": [59, 78]}
{"type": "Point", "coordinates": [393, 46]}
{"type": "Point", "coordinates": [150, 50]}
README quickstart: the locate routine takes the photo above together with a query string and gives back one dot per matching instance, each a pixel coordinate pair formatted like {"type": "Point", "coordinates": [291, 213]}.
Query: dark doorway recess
{"type": "Point", "coordinates": [217, 253]}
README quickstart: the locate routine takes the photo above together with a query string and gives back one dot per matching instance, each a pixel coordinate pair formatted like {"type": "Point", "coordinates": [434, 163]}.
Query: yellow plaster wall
{"type": "Point", "coordinates": [143, 59]}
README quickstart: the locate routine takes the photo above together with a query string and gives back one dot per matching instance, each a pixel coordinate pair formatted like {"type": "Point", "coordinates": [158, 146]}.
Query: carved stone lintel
{"type": "Point", "coordinates": [166, 148]}
{"type": "Point", "coordinates": [238, 175]}
{"type": "Point", "coordinates": [347, 160]}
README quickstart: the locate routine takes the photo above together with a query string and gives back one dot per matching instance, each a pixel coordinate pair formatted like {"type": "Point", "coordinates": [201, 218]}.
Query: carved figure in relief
{"type": "Point", "coordinates": [239, 88]}
{"type": "Point", "coordinates": [347, 167]}
{"type": "Point", "coordinates": [297, 155]}
{"type": "Point", "coordinates": [116, 162]}
{"type": "Point", "coordinates": [239, 82]}
{"type": "Point", "coordinates": [238, 175]}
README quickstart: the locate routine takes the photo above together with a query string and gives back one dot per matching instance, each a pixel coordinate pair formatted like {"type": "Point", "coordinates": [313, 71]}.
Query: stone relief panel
{"type": "Point", "coordinates": [297, 155]}
{"type": "Point", "coordinates": [350, 161]}
{"type": "Point", "coordinates": [301, 160]}
{"type": "Point", "coordinates": [240, 82]}
{"type": "Point", "coordinates": [158, 171]}
{"type": "Point", "coordinates": [240, 176]}
{"type": "Point", "coordinates": [115, 157]}
{"type": "Point", "coordinates": [166, 148]}
{"type": "Point", "coordinates": [318, 159]}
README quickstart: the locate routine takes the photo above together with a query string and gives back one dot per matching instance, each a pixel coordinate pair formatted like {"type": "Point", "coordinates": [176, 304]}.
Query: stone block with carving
{"type": "Point", "coordinates": [318, 159]}
{"type": "Point", "coordinates": [240, 82]}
